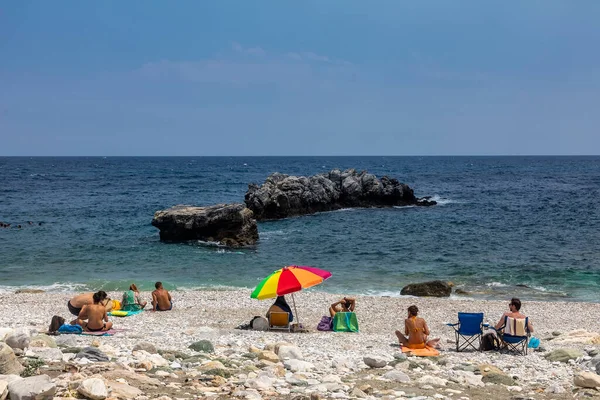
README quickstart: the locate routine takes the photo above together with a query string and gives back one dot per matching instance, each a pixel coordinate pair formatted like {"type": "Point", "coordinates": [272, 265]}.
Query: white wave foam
{"type": "Point", "coordinates": [496, 284]}
{"type": "Point", "coordinates": [441, 201]}
{"type": "Point", "coordinates": [63, 287]}
{"type": "Point", "coordinates": [209, 243]}
{"type": "Point", "coordinates": [225, 251]}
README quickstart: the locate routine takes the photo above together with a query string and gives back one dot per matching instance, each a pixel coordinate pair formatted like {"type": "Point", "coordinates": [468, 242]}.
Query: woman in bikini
{"type": "Point", "coordinates": [417, 331]}
{"type": "Point", "coordinates": [95, 314]}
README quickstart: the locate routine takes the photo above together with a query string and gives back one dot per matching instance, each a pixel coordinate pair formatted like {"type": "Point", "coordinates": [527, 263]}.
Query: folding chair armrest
{"type": "Point", "coordinates": [449, 324]}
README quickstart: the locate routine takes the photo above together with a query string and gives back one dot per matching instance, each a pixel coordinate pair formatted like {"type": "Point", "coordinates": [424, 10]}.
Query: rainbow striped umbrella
{"type": "Point", "coordinates": [289, 280]}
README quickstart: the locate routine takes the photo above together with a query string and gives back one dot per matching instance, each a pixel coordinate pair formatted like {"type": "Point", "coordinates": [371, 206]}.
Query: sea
{"type": "Point", "coordinates": [503, 226]}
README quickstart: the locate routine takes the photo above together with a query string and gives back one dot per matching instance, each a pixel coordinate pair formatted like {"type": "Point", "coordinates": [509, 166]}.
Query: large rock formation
{"type": "Point", "coordinates": [231, 225]}
{"type": "Point", "coordinates": [284, 196]}
{"type": "Point", "coordinates": [427, 289]}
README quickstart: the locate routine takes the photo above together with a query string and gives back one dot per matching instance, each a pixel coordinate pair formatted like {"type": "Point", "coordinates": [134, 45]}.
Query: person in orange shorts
{"type": "Point", "coordinates": [416, 331]}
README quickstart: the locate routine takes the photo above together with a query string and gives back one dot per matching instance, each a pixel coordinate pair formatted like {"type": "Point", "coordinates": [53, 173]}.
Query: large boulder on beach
{"type": "Point", "coordinates": [93, 354]}
{"type": "Point", "coordinates": [8, 361]}
{"type": "Point", "coordinates": [564, 355]}
{"type": "Point", "coordinates": [203, 346]}
{"type": "Point", "coordinates": [283, 195]}
{"type": "Point", "coordinates": [230, 225]}
{"type": "Point", "coordinates": [587, 380]}
{"type": "Point", "coordinates": [93, 388]}
{"type": "Point", "coordinates": [19, 339]}
{"type": "Point", "coordinates": [38, 387]}
{"type": "Point", "coordinates": [427, 289]}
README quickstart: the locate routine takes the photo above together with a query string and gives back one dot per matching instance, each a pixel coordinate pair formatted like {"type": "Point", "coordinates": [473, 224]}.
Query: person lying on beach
{"type": "Point", "coordinates": [132, 301]}
{"type": "Point", "coordinates": [514, 306]}
{"type": "Point", "coordinates": [95, 314]}
{"type": "Point", "coordinates": [76, 303]}
{"type": "Point", "coordinates": [281, 305]}
{"type": "Point", "coordinates": [347, 304]}
{"type": "Point", "coordinates": [161, 299]}
{"type": "Point", "coordinates": [416, 331]}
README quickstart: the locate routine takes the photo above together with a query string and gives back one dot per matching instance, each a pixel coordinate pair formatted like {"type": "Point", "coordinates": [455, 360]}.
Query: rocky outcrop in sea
{"type": "Point", "coordinates": [231, 225]}
{"type": "Point", "coordinates": [284, 196]}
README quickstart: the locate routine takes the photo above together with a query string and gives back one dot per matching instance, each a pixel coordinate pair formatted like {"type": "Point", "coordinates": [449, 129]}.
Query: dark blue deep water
{"type": "Point", "coordinates": [501, 222]}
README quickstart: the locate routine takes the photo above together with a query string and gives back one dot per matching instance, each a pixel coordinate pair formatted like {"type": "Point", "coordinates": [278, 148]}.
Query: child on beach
{"type": "Point", "coordinates": [161, 299]}
{"type": "Point", "coordinates": [416, 331]}
{"type": "Point", "coordinates": [95, 314]}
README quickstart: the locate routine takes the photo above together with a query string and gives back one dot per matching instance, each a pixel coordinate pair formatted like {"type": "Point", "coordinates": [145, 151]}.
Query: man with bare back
{"type": "Point", "coordinates": [161, 299]}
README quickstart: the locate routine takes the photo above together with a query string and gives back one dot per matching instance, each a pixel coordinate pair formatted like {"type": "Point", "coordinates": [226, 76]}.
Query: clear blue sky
{"type": "Point", "coordinates": [299, 78]}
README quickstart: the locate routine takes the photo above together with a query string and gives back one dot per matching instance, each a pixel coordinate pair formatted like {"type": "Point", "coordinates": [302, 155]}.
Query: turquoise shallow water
{"type": "Point", "coordinates": [526, 226]}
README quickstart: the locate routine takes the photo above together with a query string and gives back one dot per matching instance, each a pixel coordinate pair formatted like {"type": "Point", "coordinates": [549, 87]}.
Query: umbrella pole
{"type": "Point", "coordinates": [295, 310]}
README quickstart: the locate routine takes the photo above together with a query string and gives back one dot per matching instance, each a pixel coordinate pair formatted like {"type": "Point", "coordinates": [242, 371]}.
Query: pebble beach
{"type": "Point", "coordinates": [195, 351]}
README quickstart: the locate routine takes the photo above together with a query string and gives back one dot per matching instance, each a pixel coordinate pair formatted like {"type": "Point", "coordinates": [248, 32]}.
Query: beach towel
{"type": "Point", "coordinates": [515, 327]}
{"type": "Point", "coordinates": [425, 352]}
{"type": "Point", "coordinates": [70, 329]}
{"type": "Point", "coordinates": [109, 332]}
{"type": "Point", "coordinates": [345, 322]}
{"type": "Point", "coordinates": [122, 313]}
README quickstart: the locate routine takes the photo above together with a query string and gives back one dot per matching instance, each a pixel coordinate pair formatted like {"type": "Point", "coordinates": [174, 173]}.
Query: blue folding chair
{"type": "Point", "coordinates": [513, 342]}
{"type": "Point", "coordinates": [469, 328]}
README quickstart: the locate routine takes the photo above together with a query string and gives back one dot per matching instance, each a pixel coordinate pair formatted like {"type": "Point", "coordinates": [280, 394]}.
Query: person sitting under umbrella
{"type": "Point", "coordinates": [281, 305]}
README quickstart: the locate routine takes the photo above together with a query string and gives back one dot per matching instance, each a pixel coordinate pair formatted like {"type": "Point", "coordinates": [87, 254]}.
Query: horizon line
{"type": "Point", "coordinates": [287, 155]}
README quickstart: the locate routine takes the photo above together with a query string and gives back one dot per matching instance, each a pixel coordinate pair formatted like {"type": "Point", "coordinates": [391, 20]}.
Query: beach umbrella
{"type": "Point", "coordinates": [289, 280]}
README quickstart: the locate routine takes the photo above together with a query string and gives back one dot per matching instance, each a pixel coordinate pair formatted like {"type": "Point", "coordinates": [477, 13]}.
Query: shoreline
{"type": "Point", "coordinates": [213, 315]}
{"type": "Point", "coordinates": [72, 288]}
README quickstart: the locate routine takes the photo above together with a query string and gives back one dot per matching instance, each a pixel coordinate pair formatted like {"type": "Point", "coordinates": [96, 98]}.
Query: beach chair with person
{"type": "Point", "coordinates": [514, 334]}
{"type": "Point", "coordinates": [514, 329]}
{"type": "Point", "coordinates": [469, 330]}
{"type": "Point", "coordinates": [279, 321]}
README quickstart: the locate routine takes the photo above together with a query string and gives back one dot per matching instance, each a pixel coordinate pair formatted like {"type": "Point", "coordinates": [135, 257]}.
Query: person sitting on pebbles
{"type": "Point", "coordinates": [95, 314]}
{"type": "Point", "coordinates": [161, 298]}
{"type": "Point", "coordinates": [416, 331]}
{"type": "Point", "coordinates": [132, 301]}
{"type": "Point", "coordinates": [347, 304]}
{"type": "Point", "coordinates": [76, 303]}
